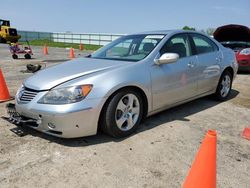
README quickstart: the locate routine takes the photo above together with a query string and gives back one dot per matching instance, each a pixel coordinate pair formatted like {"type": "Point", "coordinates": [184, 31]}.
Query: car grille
{"type": "Point", "coordinates": [27, 95]}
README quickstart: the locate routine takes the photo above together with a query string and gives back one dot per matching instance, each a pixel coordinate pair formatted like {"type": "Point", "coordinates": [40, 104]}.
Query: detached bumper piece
{"type": "Point", "coordinates": [17, 119]}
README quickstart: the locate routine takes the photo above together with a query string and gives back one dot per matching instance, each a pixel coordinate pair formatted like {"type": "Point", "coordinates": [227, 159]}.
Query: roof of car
{"type": "Point", "coordinates": [165, 32]}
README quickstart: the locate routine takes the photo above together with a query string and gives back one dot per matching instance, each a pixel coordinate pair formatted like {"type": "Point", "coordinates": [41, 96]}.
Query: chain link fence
{"type": "Point", "coordinates": [78, 38]}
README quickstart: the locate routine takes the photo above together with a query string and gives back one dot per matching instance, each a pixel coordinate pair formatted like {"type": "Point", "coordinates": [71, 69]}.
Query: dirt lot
{"type": "Point", "coordinates": [158, 155]}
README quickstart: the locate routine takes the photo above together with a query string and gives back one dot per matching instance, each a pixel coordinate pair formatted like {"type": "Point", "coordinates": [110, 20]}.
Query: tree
{"type": "Point", "coordinates": [188, 28]}
{"type": "Point", "coordinates": [210, 31]}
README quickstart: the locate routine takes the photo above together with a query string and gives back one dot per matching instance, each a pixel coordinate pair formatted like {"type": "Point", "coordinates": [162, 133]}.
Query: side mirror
{"type": "Point", "coordinates": [167, 58]}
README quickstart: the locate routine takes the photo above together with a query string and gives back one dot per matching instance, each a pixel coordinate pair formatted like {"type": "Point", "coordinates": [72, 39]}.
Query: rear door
{"type": "Point", "coordinates": [209, 60]}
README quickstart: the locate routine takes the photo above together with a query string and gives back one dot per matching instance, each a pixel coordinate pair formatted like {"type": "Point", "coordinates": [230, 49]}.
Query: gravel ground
{"type": "Point", "coordinates": [158, 155]}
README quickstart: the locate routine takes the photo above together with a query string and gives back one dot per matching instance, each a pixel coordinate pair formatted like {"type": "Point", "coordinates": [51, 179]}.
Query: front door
{"type": "Point", "coordinates": [175, 82]}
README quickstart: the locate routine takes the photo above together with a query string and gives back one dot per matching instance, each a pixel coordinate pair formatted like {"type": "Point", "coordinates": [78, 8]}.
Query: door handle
{"type": "Point", "coordinates": [218, 59]}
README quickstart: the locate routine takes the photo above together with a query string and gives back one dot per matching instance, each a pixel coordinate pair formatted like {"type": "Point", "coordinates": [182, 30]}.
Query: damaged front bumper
{"type": "Point", "coordinates": [66, 125]}
{"type": "Point", "coordinates": [17, 119]}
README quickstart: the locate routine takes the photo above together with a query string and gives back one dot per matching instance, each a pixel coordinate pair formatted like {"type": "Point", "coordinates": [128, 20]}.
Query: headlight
{"type": "Point", "coordinates": [66, 95]}
{"type": "Point", "coordinates": [245, 51]}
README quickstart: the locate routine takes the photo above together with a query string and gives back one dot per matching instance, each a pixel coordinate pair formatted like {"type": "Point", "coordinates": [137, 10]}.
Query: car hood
{"type": "Point", "coordinates": [53, 76]}
{"type": "Point", "coordinates": [232, 33]}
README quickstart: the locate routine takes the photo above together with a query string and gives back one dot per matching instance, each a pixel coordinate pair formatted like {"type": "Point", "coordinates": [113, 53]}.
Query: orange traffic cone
{"type": "Point", "coordinates": [81, 47]}
{"type": "Point", "coordinates": [45, 50]}
{"type": "Point", "coordinates": [203, 171]}
{"type": "Point", "coordinates": [246, 133]}
{"type": "Point", "coordinates": [4, 92]}
{"type": "Point", "coordinates": [71, 53]}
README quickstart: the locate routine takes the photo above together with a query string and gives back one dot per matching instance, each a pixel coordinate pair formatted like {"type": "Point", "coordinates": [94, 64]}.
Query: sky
{"type": "Point", "coordinates": [124, 16]}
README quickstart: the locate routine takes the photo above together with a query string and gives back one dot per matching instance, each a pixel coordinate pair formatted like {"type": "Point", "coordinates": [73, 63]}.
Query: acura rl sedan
{"type": "Point", "coordinates": [123, 82]}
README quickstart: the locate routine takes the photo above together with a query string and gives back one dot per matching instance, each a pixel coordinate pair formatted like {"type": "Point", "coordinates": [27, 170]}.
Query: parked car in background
{"type": "Point", "coordinates": [236, 37]}
{"type": "Point", "coordinates": [125, 81]}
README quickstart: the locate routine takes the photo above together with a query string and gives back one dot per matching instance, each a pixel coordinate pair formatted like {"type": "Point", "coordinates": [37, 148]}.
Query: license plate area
{"type": "Point", "coordinates": [243, 62]}
{"type": "Point", "coordinates": [17, 119]}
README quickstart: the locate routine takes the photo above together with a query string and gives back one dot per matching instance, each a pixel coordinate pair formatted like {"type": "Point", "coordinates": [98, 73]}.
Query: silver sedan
{"type": "Point", "coordinates": [125, 81]}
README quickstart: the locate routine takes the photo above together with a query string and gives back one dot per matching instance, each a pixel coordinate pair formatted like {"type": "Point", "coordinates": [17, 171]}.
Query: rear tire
{"type": "Point", "coordinates": [224, 86]}
{"type": "Point", "coordinates": [14, 56]}
{"type": "Point", "coordinates": [122, 114]}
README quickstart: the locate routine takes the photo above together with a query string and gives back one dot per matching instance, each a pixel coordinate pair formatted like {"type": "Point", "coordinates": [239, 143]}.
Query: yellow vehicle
{"type": "Point", "coordinates": [7, 34]}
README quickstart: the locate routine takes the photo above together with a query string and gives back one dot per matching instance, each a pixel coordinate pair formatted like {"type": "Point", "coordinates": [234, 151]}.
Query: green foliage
{"type": "Point", "coordinates": [42, 42]}
{"type": "Point", "coordinates": [210, 31]}
{"type": "Point", "coordinates": [188, 28]}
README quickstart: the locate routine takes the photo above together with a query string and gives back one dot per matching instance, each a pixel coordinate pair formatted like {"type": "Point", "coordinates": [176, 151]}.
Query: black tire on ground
{"type": "Point", "coordinates": [27, 56]}
{"type": "Point", "coordinates": [110, 113]}
{"type": "Point", "coordinates": [33, 68]}
{"type": "Point", "coordinates": [225, 79]}
{"type": "Point", "coordinates": [2, 40]}
{"type": "Point", "coordinates": [14, 56]}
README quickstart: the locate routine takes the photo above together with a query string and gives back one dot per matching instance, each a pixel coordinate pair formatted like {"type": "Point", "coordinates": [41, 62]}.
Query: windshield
{"type": "Point", "coordinates": [129, 48]}
{"type": "Point", "coordinates": [4, 23]}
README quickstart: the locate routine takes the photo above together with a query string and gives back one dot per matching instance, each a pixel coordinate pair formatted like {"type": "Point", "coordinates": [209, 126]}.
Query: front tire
{"type": "Point", "coordinates": [224, 86]}
{"type": "Point", "coordinates": [2, 40]}
{"type": "Point", "coordinates": [27, 56]}
{"type": "Point", "coordinates": [122, 114]}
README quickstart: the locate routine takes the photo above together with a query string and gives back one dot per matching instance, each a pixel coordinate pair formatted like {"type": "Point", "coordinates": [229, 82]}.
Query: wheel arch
{"type": "Point", "coordinates": [135, 88]}
{"type": "Point", "coordinates": [230, 70]}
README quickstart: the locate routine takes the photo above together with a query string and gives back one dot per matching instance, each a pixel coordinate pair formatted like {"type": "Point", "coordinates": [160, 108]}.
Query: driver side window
{"type": "Point", "coordinates": [177, 44]}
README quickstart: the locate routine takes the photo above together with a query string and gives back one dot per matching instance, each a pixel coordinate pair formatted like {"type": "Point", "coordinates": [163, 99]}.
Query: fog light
{"type": "Point", "coordinates": [51, 126]}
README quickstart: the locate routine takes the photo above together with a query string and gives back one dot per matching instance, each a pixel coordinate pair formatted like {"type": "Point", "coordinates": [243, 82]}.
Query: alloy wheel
{"type": "Point", "coordinates": [225, 85]}
{"type": "Point", "coordinates": [127, 112]}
